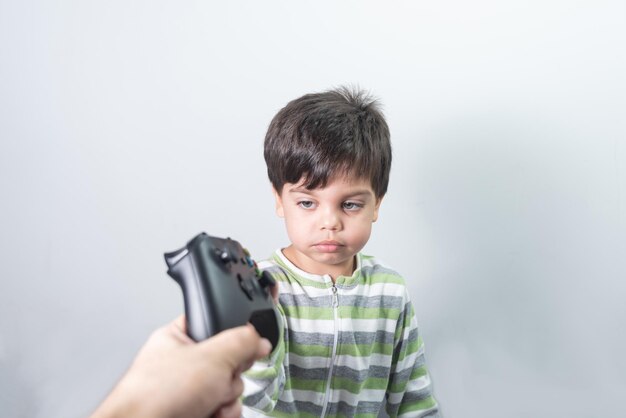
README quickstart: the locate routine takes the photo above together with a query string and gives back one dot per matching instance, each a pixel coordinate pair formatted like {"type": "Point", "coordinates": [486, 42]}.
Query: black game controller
{"type": "Point", "coordinates": [222, 288]}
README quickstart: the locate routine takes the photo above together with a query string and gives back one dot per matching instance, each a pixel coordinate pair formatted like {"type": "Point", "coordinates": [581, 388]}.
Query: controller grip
{"type": "Point", "coordinates": [197, 322]}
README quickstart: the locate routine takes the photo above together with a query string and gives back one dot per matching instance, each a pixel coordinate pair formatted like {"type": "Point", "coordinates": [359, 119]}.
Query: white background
{"type": "Point", "coordinates": [128, 126]}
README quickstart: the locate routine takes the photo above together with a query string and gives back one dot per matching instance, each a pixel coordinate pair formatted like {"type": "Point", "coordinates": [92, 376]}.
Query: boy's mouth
{"type": "Point", "coordinates": [328, 246]}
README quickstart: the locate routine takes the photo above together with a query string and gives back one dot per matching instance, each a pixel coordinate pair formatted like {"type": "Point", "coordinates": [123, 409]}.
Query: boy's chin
{"type": "Point", "coordinates": [331, 263]}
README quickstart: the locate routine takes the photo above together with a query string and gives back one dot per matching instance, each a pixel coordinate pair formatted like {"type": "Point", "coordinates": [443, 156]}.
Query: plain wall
{"type": "Point", "coordinates": [128, 126]}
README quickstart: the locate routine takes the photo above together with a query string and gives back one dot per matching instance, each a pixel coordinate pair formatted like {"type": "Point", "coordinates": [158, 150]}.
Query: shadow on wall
{"type": "Point", "coordinates": [524, 227]}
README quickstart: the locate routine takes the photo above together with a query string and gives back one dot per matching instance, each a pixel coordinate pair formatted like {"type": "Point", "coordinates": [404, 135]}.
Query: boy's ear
{"type": "Point", "coordinates": [279, 203]}
{"type": "Point", "coordinates": [378, 202]}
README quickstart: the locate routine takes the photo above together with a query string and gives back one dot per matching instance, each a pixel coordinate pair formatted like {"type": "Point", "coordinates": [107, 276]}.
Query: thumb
{"type": "Point", "coordinates": [238, 346]}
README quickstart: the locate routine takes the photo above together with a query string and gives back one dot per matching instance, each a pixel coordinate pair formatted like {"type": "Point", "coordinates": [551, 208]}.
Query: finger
{"type": "Point", "coordinates": [264, 349]}
{"type": "Point", "coordinates": [180, 323]}
{"type": "Point", "coordinates": [231, 410]}
{"type": "Point", "coordinates": [177, 328]}
{"type": "Point", "coordinates": [236, 387]}
{"type": "Point", "coordinates": [243, 345]}
{"type": "Point", "coordinates": [239, 345]}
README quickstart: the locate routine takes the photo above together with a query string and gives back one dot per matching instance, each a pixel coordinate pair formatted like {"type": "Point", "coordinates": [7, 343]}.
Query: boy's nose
{"type": "Point", "coordinates": [331, 221]}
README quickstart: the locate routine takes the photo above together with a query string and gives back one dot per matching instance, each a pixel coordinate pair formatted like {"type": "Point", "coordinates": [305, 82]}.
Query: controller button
{"type": "Point", "coordinates": [256, 286]}
{"type": "Point", "coordinates": [245, 286]}
{"type": "Point", "coordinates": [222, 255]}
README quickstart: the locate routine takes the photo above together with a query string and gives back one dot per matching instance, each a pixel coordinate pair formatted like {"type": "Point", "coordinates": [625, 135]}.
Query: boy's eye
{"type": "Point", "coordinates": [306, 204]}
{"type": "Point", "coordinates": [352, 205]}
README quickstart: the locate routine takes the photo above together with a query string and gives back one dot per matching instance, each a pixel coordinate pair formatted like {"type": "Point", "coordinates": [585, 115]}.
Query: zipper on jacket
{"type": "Point", "coordinates": [334, 352]}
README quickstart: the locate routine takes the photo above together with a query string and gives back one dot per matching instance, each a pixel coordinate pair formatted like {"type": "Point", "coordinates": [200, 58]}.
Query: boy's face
{"type": "Point", "coordinates": [327, 226]}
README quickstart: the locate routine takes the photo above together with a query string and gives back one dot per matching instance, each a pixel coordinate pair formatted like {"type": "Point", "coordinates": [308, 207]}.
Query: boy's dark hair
{"type": "Point", "coordinates": [322, 135]}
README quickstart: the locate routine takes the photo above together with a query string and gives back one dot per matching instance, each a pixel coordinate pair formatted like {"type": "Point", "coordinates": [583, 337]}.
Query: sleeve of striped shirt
{"type": "Point", "coordinates": [265, 380]}
{"type": "Point", "coordinates": [409, 393]}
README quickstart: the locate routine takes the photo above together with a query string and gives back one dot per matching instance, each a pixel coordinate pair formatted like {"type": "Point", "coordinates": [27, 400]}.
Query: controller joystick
{"type": "Point", "coordinates": [222, 288]}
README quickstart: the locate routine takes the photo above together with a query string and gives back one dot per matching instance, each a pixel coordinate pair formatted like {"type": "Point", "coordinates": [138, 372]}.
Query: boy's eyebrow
{"type": "Point", "coordinates": [363, 192]}
{"type": "Point", "coordinates": [302, 189]}
{"type": "Point", "coordinates": [299, 189]}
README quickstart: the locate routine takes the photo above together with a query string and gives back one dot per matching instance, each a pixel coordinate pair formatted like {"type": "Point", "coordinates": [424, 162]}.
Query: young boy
{"type": "Point", "coordinates": [350, 338]}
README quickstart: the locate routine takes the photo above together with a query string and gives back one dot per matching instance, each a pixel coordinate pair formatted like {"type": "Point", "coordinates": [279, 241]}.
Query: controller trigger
{"type": "Point", "coordinates": [174, 257]}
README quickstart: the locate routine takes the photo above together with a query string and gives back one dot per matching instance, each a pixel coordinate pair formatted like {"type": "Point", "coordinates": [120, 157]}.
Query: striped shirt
{"type": "Point", "coordinates": [344, 348]}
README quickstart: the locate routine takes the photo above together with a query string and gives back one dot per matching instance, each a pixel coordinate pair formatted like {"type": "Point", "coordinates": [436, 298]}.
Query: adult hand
{"type": "Point", "coordinates": [172, 376]}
